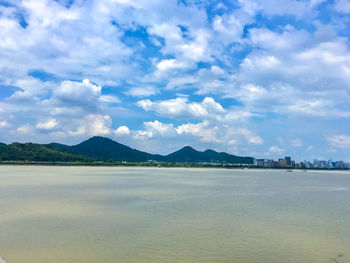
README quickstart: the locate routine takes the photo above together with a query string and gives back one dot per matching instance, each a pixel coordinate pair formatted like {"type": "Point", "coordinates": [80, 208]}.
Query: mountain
{"type": "Point", "coordinates": [107, 149]}
{"type": "Point", "coordinates": [188, 154]}
{"type": "Point", "coordinates": [38, 152]}
{"type": "Point", "coordinates": [101, 148]}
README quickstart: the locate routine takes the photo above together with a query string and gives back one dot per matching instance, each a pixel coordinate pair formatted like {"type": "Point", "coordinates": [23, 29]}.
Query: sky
{"type": "Point", "coordinates": [261, 78]}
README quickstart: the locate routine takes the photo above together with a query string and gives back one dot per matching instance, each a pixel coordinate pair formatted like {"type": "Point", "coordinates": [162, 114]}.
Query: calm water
{"type": "Point", "coordinates": [108, 215]}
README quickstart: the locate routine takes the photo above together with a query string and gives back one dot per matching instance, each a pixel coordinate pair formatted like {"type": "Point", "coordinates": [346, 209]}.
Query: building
{"type": "Point", "coordinates": [288, 160]}
{"type": "Point", "coordinates": [282, 163]}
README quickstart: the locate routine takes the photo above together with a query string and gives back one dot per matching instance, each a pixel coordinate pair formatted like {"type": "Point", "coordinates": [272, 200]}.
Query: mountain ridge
{"type": "Point", "coordinates": [38, 152]}
{"type": "Point", "coordinates": [106, 149]}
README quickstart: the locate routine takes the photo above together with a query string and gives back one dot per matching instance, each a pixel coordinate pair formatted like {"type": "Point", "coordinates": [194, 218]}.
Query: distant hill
{"type": "Point", "coordinates": [107, 149]}
{"type": "Point", "coordinates": [38, 152]}
{"type": "Point", "coordinates": [188, 154]}
{"type": "Point", "coordinates": [101, 148]}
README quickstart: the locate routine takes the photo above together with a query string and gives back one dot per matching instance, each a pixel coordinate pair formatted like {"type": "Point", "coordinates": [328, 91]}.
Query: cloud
{"type": "Point", "coordinates": [169, 64]}
{"type": "Point", "coordinates": [25, 128]}
{"type": "Point", "coordinates": [74, 97]}
{"type": "Point", "coordinates": [296, 142]}
{"type": "Point", "coordinates": [109, 99]}
{"type": "Point", "coordinates": [156, 129]}
{"type": "Point", "coordinates": [93, 125]}
{"type": "Point", "coordinates": [47, 125]}
{"type": "Point", "coordinates": [244, 70]}
{"type": "Point", "coordinates": [145, 91]}
{"type": "Point", "coordinates": [342, 6]}
{"type": "Point", "coordinates": [276, 149]}
{"type": "Point", "coordinates": [204, 131]}
{"type": "Point", "coordinates": [180, 108]}
{"type": "Point", "coordinates": [73, 92]}
{"type": "Point", "coordinates": [201, 130]}
{"type": "Point", "coordinates": [310, 147]}
{"type": "Point", "coordinates": [218, 133]}
{"type": "Point", "coordinates": [4, 124]}
{"type": "Point", "coordinates": [228, 28]}
{"type": "Point", "coordinates": [339, 141]}
{"type": "Point", "coordinates": [122, 131]}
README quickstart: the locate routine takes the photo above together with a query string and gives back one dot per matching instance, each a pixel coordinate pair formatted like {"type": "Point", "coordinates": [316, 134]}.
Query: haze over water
{"type": "Point", "coordinates": [89, 214]}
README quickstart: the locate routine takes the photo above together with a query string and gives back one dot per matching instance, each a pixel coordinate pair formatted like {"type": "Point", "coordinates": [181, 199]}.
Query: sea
{"type": "Point", "coordinates": [115, 214]}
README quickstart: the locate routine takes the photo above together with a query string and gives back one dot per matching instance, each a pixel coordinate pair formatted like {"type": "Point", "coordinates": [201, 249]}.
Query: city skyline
{"type": "Point", "coordinates": [318, 164]}
{"type": "Point", "coordinates": [261, 78]}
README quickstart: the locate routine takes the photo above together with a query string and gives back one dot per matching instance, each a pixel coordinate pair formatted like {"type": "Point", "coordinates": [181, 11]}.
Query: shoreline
{"type": "Point", "coordinates": [173, 165]}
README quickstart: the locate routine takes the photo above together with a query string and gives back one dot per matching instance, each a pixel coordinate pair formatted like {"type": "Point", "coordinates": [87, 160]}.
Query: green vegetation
{"type": "Point", "coordinates": [188, 154]}
{"type": "Point", "coordinates": [107, 149]}
{"type": "Point", "coordinates": [37, 152]}
{"type": "Point", "coordinates": [100, 150]}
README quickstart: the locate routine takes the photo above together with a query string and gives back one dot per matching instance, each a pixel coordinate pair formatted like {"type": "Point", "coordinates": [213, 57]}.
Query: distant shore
{"type": "Point", "coordinates": [163, 165]}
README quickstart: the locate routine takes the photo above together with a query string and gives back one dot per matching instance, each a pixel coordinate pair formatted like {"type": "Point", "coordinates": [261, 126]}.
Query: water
{"type": "Point", "coordinates": [86, 214]}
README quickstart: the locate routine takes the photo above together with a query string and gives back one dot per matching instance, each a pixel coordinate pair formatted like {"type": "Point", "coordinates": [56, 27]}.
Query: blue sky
{"type": "Point", "coordinates": [264, 78]}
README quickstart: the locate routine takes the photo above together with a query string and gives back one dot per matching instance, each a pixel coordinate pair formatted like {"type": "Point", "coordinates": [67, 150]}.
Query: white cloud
{"type": "Point", "coordinates": [317, 107]}
{"type": "Point", "coordinates": [127, 2]}
{"type": "Point", "coordinates": [314, 3]}
{"type": "Point", "coordinates": [92, 125]}
{"type": "Point", "coordinates": [145, 91]}
{"type": "Point", "coordinates": [48, 14]}
{"type": "Point", "coordinates": [228, 28]}
{"type": "Point", "coordinates": [285, 69]}
{"type": "Point", "coordinates": [109, 99]}
{"type": "Point", "coordinates": [4, 124]}
{"type": "Point", "coordinates": [169, 64]}
{"type": "Point", "coordinates": [122, 131]}
{"type": "Point", "coordinates": [296, 142]}
{"type": "Point", "coordinates": [283, 7]}
{"type": "Point", "coordinates": [72, 92]}
{"type": "Point", "coordinates": [181, 82]}
{"type": "Point", "coordinates": [287, 40]}
{"type": "Point", "coordinates": [180, 108]}
{"type": "Point", "coordinates": [342, 6]}
{"type": "Point", "coordinates": [299, 81]}
{"type": "Point", "coordinates": [25, 128]}
{"type": "Point", "coordinates": [208, 109]}
{"type": "Point", "coordinates": [216, 122]}
{"type": "Point", "coordinates": [276, 149]}
{"type": "Point", "coordinates": [22, 97]}
{"type": "Point", "coordinates": [310, 147]}
{"type": "Point", "coordinates": [217, 70]}
{"type": "Point", "coordinates": [47, 125]}
{"type": "Point", "coordinates": [250, 137]}
{"type": "Point", "coordinates": [76, 98]}
{"type": "Point", "coordinates": [340, 141]}
{"type": "Point", "coordinates": [219, 133]}
{"type": "Point", "coordinates": [156, 129]}
{"type": "Point", "coordinates": [201, 130]}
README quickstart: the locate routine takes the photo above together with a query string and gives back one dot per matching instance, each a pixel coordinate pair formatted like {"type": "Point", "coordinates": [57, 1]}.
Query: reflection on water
{"type": "Point", "coordinates": [85, 214]}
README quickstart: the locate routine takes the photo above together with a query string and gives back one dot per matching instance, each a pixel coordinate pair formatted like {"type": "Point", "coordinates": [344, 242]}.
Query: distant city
{"type": "Point", "coordinates": [287, 162]}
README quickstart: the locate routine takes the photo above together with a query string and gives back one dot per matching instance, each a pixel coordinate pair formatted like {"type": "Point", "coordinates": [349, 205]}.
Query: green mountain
{"type": "Point", "coordinates": [38, 152]}
{"type": "Point", "coordinates": [107, 149]}
{"type": "Point", "coordinates": [100, 148]}
{"type": "Point", "coordinates": [188, 154]}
